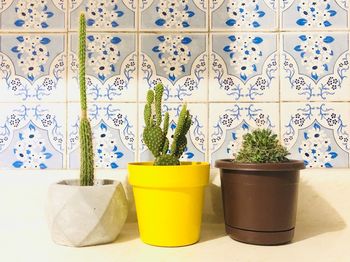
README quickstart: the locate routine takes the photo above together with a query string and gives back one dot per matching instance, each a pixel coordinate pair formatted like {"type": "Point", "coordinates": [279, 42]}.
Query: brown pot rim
{"type": "Point", "coordinates": [281, 166]}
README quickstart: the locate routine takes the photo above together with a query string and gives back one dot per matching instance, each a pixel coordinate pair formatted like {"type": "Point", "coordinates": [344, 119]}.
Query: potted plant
{"type": "Point", "coordinates": [168, 193]}
{"type": "Point", "coordinates": [260, 190]}
{"type": "Point", "coordinates": [87, 211]}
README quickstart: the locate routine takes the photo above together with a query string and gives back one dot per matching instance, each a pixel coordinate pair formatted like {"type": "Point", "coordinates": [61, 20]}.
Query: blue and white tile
{"type": "Point", "coordinates": [196, 138]}
{"type": "Point", "coordinates": [32, 136]}
{"type": "Point", "coordinates": [243, 15]}
{"type": "Point", "coordinates": [244, 67]}
{"type": "Point", "coordinates": [111, 67]}
{"type": "Point", "coordinates": [317, 133]}
{"type": "Point", "coordinates": [228, 123]}
{"type": "Point", "coordinates": [179, 61]}
{"type": "Point", "coordinates": [314, 15]}
{"type": "Point", "coordinates": [181, 15]}
{"type": "Point", "coordinates": [114, 134]}
{"type": "Point", "coordinates": [315, 66]}
{"type": "Point", "coordinates": [105, 15]}
{"type": "Point", "coordinates": [33, 15]}
{"type": "Point", "coordinates": [32, 67]}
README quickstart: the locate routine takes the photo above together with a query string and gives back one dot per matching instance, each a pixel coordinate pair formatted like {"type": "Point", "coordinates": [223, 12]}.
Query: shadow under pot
{"type": "Point", "coordinates": [260, 200]}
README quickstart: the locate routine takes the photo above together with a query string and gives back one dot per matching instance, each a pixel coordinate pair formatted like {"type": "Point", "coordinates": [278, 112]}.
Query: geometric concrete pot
{"type": "Point", "coordinates": [86, 215]}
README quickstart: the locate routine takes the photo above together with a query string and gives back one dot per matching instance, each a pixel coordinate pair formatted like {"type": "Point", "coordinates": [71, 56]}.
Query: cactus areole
{"type": "Point", "coordinates": [155, 136]}
{"type": "Point", "coordinates": [85, 133]}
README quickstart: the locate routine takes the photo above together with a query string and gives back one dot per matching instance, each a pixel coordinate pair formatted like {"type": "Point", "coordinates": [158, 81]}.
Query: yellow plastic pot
{"type": "Point", "coordinates": [169, 201]}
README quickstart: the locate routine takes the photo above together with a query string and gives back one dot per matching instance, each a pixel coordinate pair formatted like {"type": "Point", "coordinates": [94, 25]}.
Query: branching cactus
{"type": "Point", "coordinates": [155, 137]}
{"type": "Point", "coordinates": [85, 133]}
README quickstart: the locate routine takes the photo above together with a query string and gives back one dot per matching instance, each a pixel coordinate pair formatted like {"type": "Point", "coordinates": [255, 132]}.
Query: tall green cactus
{"type": "Point", "coordinates": [155, 137]}
{"type": "Point", "coordinates": [85, 133]}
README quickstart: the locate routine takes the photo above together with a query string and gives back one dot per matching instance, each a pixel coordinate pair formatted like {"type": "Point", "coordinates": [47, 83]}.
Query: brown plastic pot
{"type": "Point", "coordinates": [260, 200]}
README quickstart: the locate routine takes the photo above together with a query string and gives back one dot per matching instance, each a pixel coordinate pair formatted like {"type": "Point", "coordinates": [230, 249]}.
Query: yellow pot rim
{"type": "Point", "coordinates": [188, 174]}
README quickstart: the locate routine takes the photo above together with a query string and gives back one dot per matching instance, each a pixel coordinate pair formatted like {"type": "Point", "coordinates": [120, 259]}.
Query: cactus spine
{"type": "Point", "coordinates": [155, 137]}
{"type": "Point", "coordinates": [85, 133]}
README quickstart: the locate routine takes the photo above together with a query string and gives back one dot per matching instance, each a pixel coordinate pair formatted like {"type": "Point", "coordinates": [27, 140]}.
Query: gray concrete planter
{"type": "Point", "coordinates": [84, 216]}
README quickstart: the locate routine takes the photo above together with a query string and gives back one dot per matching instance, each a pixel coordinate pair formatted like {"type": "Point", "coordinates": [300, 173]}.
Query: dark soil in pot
{"type": "Point", "coordinates": [260, 200]}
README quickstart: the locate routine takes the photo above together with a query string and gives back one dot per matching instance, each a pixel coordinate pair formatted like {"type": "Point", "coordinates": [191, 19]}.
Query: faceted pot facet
{"type": "Point", "coordinates": [86, 215]}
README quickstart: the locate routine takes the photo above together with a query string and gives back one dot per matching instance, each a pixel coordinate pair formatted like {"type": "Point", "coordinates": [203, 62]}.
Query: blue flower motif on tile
{"type": "Point", "coordinates": [30, 150]}
{"type": "Point", "coordinates": [243, 66]}
{"type": "Point", "coordinates": [228, 128]}
{"type": "Point", "coordinates": [32, 137]}
{"type": "Point", "coordinates": [34, 69]}
{"type": "Point", "coordinates": [243, 13]}
{"type": "Point", "coordinates": [244, 54]}
{"type": "Point", "coordinates": [177, 61]}
{"type": "Point", "coordinates": [103, 13]}
{"type": "Point", "coordinates": [107, 153]}
{"type": "Point", "coordinates": [315, 13]}
{"type": "Point", "coordinates": [316, 149]}
{"type": "Point", "coordinates": [113, 137]}
{"type": "Point", "coordinates": [317, 134]}
{"type": "Point", "coordinates": [111, 71]}
{"type": "Point", "coordinates": [32, 54]}
{"type": "Point", "coordinates": [173, 54]}
{"type": "Point", "coordinates": [32, 14]}
{"type": "Point", "coordinates": [103, 53]}
{"type": "Point", "coordinates": [173, 14]}
{"type": "Point", "coordinates": [316, 53]}
{"type": "Point", "coordinates": [321, 68]}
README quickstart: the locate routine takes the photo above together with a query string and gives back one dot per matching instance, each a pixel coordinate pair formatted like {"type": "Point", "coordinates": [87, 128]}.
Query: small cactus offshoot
{"type": "Point", "coordinates": [262, 146]}
{"type": "Point", "coordinates": [85, 133]}
{"type": "Point", "coordinates": [155, 137]}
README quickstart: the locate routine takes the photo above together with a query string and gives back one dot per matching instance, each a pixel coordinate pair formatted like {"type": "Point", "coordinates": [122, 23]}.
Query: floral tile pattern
{"type": "Point", "coordinates": [315, 66]}
{"type": "Point", "coordinates": [104, 15]}
{"type": "Point", "coordinates": [323, 14]}
{"type": "Point", "coordinates": [32, 67]}
{"type": "Point", "coordinates": [114, 134]}
{"type": "Point", "coordinates": [243, 67]}
{"type": "Point", "coordinates": [111, 67]}
{"type": "Point", "coordinates": [317, 133]}
{"type": "Point", "coordinates": [38, 15]}
{"type": "Point", "coordinates": [32, 136]}
{"type": "Point", "coordinates": [229, 122]}
{"type": "Point", "coordinates": [243, 15]}
{"type": "Point", "coordinates": [181, 15]}
{"type": "Point", "coordinates": [179, 61]}
{"type": "Point", "coordinates": [238, 64]}
{"type": "Point", "coordinates": [196, 138]}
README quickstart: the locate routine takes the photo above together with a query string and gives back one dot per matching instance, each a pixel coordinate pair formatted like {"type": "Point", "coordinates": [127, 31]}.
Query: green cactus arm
{"type": "Point", "coordinates": [159, 89]}
{"type": "Point", "coordinates": [165, 146]}
{"type": "Point", "coordinates": [82, 59]}
{"type": "Point", "coordinates": [150, 102]}
{"type": "Point", "coordinates": [86, 154]}
{"type": "Point", "coordinates": [166, 123]}
{"type": "Point", "coordinates": [147, 115]}
{"type": "Point", "coordinates": [179, 128]}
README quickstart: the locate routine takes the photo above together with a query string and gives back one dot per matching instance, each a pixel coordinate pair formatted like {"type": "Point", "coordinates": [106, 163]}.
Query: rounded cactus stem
{"type": "Point", "coordinates": [86, 154]}
{"type": "Point", "coordinates": [166, 123]}
{"type": "Point", "coordinates": [159, 89]}
{"type": "Point", "coordinates": [179, 128]}
{"type": "Point", "coordinates": [150, 97]}
{"type": "Point", "coordinates": [82, 59]}
{"type": "Point", "coordinates": [85, 132]}
{"type": "Point", "coordinates": [147, 115]}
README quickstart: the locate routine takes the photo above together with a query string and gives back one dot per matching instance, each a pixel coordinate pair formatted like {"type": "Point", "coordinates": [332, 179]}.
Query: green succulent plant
{"type": "Point", "coordinates": [155, 137]}
{"type": "Point", "coordinates": [262, 146]}
{"type": "Point", "coordinates": [85, 132]}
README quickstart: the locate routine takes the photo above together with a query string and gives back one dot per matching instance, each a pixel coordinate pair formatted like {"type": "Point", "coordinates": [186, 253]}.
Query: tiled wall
{"type": "Point", "coordinates": [239, 64]}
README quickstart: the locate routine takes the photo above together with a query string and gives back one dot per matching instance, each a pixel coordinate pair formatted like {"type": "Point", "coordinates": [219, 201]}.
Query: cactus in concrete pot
{"type": "Point", "coordinates": [155, 137]}
{"type": "Point", "coordinates": [85, 133]}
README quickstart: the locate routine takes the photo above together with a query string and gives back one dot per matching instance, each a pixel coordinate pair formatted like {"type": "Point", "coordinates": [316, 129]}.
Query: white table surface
{"type": "Point", "coordinates": [322, 231]}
